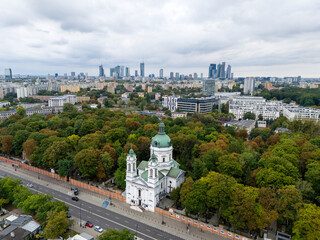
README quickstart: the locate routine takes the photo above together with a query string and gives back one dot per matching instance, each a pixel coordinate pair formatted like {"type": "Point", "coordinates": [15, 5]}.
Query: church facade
{"type": "Point", "coordinates": [154, 179]}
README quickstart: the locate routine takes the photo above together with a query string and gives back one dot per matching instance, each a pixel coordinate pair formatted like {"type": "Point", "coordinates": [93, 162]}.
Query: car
{"type": "Point", "coordinates": [68, 215]}
{"type": "Point", "coordinates": [75, 199]}
{"type": "Point", "coordinates": [29, 185]}
{"type": "Point", "coordinates": [98, 229]}
{"type": "Point", "coordinates": [76, 191]}
{"type": "Point", "coordinates": [89, 224]}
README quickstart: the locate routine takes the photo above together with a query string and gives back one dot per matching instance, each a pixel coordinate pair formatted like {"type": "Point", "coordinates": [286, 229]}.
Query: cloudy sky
{"type": "Point", "coordinates": [256, 37]}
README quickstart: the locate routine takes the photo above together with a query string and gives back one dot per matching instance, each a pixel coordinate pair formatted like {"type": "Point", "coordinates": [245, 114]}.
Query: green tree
{"type": "Point", "coordinates": [112, 234]}
{"type": "Point", "coordinates": [108, 163]}
{"type": "Point", "coordinates": [21, 111]}
{"type": "Point", "coordinates": [57, 151]}
{"type": "Point", "coordinates": [313, 176]}
{"type": "Point", "coordinates": [195, 201]}
{"type": "Point", "coordinates": [249, 115]}
{"type": "Point", "coordinates": [185, 189]}
{"type": "Point", "coordinates": [308, 224]}
{"type": "Point", "coordinates": [20, 137]}
{"type": "Point", "coordinates": [57, 224]}
{"type": "Point", "coordinates": [87, 161]}
{"type": "Point", "coordinates": [64, 166]}
{"type": "Point", "coordinates": [33, 203]}
{"type": "Point", "coordinates": [120, 176]}
{"type": "Point", "coordinates": [6, 142]}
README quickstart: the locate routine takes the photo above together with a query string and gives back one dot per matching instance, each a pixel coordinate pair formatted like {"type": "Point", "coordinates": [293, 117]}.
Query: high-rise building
{"type": "Point", "coordinates": [249, 85]}
{"type": "Point", "coordinates": [212, 70]}
{"type": "Point", "coordinates": [111, 72]}
{"type": "Point", "coordinates": [101, 71]}
{"type": "Point", "coordinates": [218, 73]}
{"type": "Point", "coordinates": [142, 69]}
{"type": "Point", "coordinates": [121, 73]}
{"type": "Point", "coordinates": [161, 73]}
{"type": "Point", "coordinates": [195, 76]}
{"type": "Point", "coordinates": [8, 74]}
{"type": "Point", "coordinates": [171, 75]}
{"type": "Point", "coordinates": [209, 87]}
{"type": "Point", "coordinates": [228, 72]}
{"type": "Point", "coordinates": [223, 70]}
{"type": "Point", "coordinates": [177, 76]}
{"type": "Point", "coordinates": [116, 71]}
{"type": "Point", "coordinates": [136, 73]}
{"type": "Point", "coordinates": [56, 75]}
{"type": "Point", "coordinates": [127, 72]}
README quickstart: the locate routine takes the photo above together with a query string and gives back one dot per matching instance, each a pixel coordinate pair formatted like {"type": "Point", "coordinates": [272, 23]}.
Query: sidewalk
{"type": "Point", "coordinates": [153, 219]}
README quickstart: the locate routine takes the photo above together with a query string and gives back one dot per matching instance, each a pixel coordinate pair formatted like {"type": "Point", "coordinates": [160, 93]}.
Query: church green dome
{"type": "Point", "coordinates": [161, 140]}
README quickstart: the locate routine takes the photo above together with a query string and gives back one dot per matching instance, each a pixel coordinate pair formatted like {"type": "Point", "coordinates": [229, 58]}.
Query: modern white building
{"type": "Point", "coordinates": [152, 180]}
{"type": "Point", "coordinates": [293, 112]}
{"type": "Point", "coordinates": [170, 102]}
{"type": "Point", "coordinates": [59, 101]}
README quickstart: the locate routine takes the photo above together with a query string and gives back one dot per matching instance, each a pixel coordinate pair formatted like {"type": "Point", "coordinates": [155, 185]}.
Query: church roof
{"type": "Point", "coordinates": [176, 164]}
{"type": "Point", "coordinates": [161, 140]}
{"type": "Point", "coordinates": [174, 172]}
{"type": "Point", "coordinates": [144, 175]}
{"type": "Point", "coordinates": [131, 152]}
{"type": "Point", "coordinates": [143, 165]}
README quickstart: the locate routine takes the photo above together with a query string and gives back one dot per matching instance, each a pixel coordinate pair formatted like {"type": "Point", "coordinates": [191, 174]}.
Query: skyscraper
{"type": "Point", "coordinates": [223, 70]}
{"type": "Point", "coordinates": [111, 72]}
{"type": "Point", "coordinates": [228, 72]}
{"type": "Point", "coordinates": [171, 75]}
{"type": "Point", "coordinates": [249, 85]}
{"type": "Point", "coordinates": [136, 73]}
{"type": "Point", "coordinates": [8, 74]}
{"type": "Point", "coordinates": [127, 72]}
{"type": "Point", "coordinates": [177, 76]}
{"type": "Point", "coordinates": [142, 69]}
{"type": "Point", "coordinates": [121, 73]}
{"type": "Point", "coordinates": [161, 73]}
{"type": "Point", "coordinates": [212, 70]}
{"type": "Point", "coordinates": [101, 71]}
{"type": "Point", "coordinates": [218, 70]}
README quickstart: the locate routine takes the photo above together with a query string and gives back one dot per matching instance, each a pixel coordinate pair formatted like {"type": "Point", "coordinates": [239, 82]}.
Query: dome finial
{"type": "Point", "coordinates": [161, 128]}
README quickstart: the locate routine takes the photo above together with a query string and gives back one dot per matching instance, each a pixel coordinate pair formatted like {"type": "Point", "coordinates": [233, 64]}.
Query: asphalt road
{"type": "Point", "coordinates": [98, 215]}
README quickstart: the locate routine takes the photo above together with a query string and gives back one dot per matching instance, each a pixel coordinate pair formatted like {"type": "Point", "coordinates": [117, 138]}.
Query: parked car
{"type": "Point", "coordinates": [98, 229]}
{"type": "Point", "coordinates": [29, 185]}
{"type": "Point", "coordinates": [68, 215]}
{"type": "Point", "coordinates": [89, 224]}
{"type": "Point", "coordinates": [75, 198]}
{"type": "Point", "coordinates": [76, 191]}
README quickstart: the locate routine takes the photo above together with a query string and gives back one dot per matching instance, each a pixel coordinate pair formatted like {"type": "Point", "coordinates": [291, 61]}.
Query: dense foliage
{"type": "Point", "coordinates": [302, 96]}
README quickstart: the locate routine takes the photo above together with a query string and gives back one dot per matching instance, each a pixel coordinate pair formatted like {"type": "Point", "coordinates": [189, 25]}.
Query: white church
{"type": "Point", "coordinates": [153, 180]}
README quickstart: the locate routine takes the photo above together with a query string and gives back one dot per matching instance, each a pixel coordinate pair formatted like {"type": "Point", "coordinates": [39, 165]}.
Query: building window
{"type": "Point", "coordinates": [139, 193]}
{"type": "Point", "coordinates": [164, 159]}
{"type": "Point", "coordinates": [161, 185]}
{"type": "Point", "coordinates": [150, 172]}
{"type": "Point", "coordinates": [155, 173]}
{"type": "Point", "coordinates": [129, 167]}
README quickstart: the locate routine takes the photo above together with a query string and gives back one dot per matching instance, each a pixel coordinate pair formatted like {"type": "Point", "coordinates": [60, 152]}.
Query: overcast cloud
{"type": "Point", "coordinates": [257, 37]}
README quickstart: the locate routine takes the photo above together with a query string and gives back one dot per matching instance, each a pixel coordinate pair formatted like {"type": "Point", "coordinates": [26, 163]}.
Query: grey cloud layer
{"type": "Point", "coordinates": [187, 35]}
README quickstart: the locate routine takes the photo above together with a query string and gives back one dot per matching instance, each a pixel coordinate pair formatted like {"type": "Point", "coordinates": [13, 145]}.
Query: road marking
{"type": "Point", "coordinates": [124, 226]}
{"type": "Point", "coordinates": [117, 218]}
{"type": "Point", "coordinates": [148, 230]}
{"type": "Point", "coordinates": [126, 221]}
{"type": "Point", "coordinates": [89, 207]}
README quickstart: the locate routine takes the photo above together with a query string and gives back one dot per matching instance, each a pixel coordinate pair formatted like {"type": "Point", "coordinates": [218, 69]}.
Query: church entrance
{"type": "Point", "coordinates": [140, 202]}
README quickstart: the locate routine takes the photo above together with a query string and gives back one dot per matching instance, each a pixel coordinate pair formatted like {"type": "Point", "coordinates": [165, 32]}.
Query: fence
{"type": "Point", "coordinates": [198, 224]}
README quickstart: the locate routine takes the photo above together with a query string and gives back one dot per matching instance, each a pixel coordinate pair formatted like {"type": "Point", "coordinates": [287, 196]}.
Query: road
{"type": "Point", "coordinates": [98, 215]}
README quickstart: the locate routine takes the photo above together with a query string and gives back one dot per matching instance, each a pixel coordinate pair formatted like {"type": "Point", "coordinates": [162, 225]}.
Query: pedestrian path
{"type": "Point", "coordinates": [153, 219]}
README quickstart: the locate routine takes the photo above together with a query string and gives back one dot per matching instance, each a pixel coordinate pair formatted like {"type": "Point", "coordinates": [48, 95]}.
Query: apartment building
{"type": "Point", "coordinates": [59, 101]}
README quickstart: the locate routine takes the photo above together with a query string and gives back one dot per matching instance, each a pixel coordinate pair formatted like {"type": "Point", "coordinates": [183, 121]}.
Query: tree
{"type": "Point", "coordinates": [185, 189]}
{"type": "Point", "coordinates": [117, 134]}
{"type": "Point", "coordinates": [308, 224]}
{"type": "Point", "coordinates": [120, 176]}
{"type": "Point", "coordinates": [313, 176]}
{"type": "Point", "coordinates": [64, 166]}
{"type": "Point", "coordinates": [57, 151]}
{"type": "Point", "coordinates": [57, 224]}
{"type": "Point", "coordinates": [101, 172]}
{"type": "Point", "coordinates": [28, 147]}
{"type": "Point", "coordinates": [195, 201]}
{"type": "Point", "coordinates": [6, 142]}
{"type": "Point", "coordinates": [108, 164]}
{"type": "Point", "coordinates": [69, 107]}
{"type": "Point", "coordinates": [21, 111]}
{"type": "Point", "coordinates": [20, 137]}
{"type": "Point", "coordinates": [175, 195]}
{"type": "Point", "coordinates": [230, 165]}
{"type": "Point", "coordinates": [219, 194]}
{"type": "Point", "coordinates": [112, 234]}
{"type": "Point", "coordinates": [87, 161]}
{"type": "Point", "coordinates": [290, 200]}
{"type": "Point", "coordinates": [249, 115]}
{"type": "Point", "coordinates": [34, 202]}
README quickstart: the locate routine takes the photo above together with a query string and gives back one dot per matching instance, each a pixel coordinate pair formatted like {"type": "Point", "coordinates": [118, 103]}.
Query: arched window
{"type": "Point", "coordinates": [156, 173]}
{"type": "Point", "coordinates": [129, 167]}
{"type": "Point", "coordinates": [134, 166]}
{"type": "Point", "coordinates": [150, 172]}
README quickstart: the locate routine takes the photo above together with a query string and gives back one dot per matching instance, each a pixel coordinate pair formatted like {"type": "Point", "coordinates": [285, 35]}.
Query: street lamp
{"type": "Point", "coordinates": [163, 220]}
{"type": "Point", "coordinates": [80, 214]}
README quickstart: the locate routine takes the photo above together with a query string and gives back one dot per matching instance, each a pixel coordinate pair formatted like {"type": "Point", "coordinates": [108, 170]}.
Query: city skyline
{"type": "Point", "coordinates": [257, 38]}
